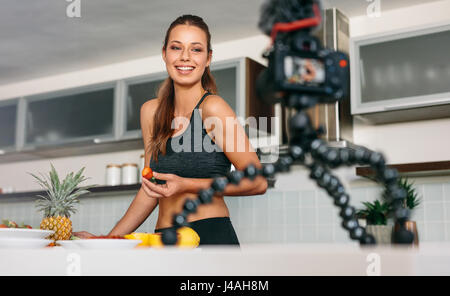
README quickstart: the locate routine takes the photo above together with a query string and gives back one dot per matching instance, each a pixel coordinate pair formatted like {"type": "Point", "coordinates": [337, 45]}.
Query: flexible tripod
{"type": "Point", "coordinates": [306, 147]}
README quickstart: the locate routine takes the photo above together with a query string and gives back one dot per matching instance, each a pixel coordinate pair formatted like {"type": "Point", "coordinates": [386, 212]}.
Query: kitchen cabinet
{"type": "Point", "coordinates": [8, 125]}
{"type": "Point", "coordinates": [69, 116]}
{"type": "Point", "coordinates": [418, 169]}
{"type": "Point", "coordinates": [106, 117]}
{"type": "Point", "coordinates": [401, 75]}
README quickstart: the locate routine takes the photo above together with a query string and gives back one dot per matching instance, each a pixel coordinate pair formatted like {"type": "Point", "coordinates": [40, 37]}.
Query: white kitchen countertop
{"type": "Point", "coordinates": [256, 260]}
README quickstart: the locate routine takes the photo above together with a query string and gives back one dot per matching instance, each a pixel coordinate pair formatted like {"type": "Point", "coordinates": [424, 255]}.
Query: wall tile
{"type": "Point", "coordinates": [323, 199]}
{"type": "Point", "coordinates": [447, 231]}
{"type": "Point", "coordinates": [293, 234]}
{"type": "Point", "coordinates": [435, 232]}
{"type": "Point", "coordinates": [446, 192]}
{"type": "Point", "coordinates": [276, 217]}
{"type": "Point", "coordinates": [447, 211]}
{"type": "Point", "coordinates": [308, 215]}
{"type": "Point", "coordinates": [340, 234]}
{"type": "Point", "coordinates": [309, 233]}
{"type": "Point", "coordinates": [276, 200]}
{"type": "Point", "coordinates": [277, 234]}
{"type": "Point", "coordinates": [421, 231]}
{"type": "Point", "coordinates": [433, 192]}
{"type": "Point", "coordinates": [325, 233]}
{"type": "Point", "coordinates": [292, 216]}
{"type": "Point", "coordinates": [325, 215]}
{"type": "Point", "coordinates": [292, 199]}
{"type": "Point", "coordinates": [434, 212]}
{"type": "Point", "coordinates": [308, 198]}
{"type": "Point", "coordinates": [418, 213]}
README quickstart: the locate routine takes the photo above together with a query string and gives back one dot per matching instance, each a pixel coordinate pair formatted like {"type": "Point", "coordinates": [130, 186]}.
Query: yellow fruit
{"type": "Point", "coordinates": [154, 240]}
{"type": "Point", "coordinates": [187, 238]}
{"type": "Point", "coordinates": [148, 239]}
{"type": "Point", "coordinates": [141, 236]}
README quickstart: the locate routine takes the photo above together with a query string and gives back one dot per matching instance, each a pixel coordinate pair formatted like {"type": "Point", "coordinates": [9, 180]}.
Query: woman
{"type": "Point", "coordinates": [189, 93]}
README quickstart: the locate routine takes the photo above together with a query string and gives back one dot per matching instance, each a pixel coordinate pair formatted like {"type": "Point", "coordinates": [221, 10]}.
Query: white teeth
{"type": "Point", "coordinates": [185, 68]}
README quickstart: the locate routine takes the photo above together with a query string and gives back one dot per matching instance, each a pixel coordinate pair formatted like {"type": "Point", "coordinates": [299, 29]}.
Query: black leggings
{"type": "Point", "coordinates": [213, 231]}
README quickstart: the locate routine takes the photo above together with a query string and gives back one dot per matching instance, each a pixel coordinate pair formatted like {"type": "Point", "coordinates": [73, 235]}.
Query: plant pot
{"type": "Point", "coordinates": [411, 226]}
{"type": "Point", "coordinates": [381, 233]}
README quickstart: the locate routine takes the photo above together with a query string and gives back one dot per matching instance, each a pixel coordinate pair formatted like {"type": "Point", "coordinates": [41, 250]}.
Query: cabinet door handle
{"type": "Point", "coordinates": [416, 105]}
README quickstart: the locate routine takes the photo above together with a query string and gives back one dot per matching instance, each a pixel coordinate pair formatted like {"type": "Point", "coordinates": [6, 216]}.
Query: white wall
{"type": "Point", "coordinates": [419, 141]}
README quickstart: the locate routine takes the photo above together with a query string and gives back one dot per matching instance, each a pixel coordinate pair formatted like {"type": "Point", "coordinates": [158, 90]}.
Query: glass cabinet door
{"type": "Point", "coordinates": [70, 118]}
{"type": "Point", "coordinates": [137, 95]}
{"type": "Point", "coordinates": [408, 67]}
{"type": "Point", "coordinates": [8, 118]}
{"type": "Point", "coordinates": [226, 84]}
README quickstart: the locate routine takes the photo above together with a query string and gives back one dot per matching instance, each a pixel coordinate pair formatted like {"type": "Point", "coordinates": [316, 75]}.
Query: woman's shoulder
{"type": "Point", "coordinates": [214, 105]}
{"type": "Point", "coordinates": [149, 107]}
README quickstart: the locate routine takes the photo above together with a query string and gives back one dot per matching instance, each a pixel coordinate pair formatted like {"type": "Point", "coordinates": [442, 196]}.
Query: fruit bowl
{"type": "Point", "coordinates": [25, 233]}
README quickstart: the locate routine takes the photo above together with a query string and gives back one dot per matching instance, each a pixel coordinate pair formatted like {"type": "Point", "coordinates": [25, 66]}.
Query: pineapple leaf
{"type": "Point", "coordinates": [55, 180]}
{"type": "Point", "coordinates": [62, 196]}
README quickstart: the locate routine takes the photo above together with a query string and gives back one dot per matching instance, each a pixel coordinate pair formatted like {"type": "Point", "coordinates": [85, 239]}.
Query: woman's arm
{"type": "Point", "coordinates": [139, 210]}
{"type": "Point", "coordinates": [230, 136]}
{"type": "Point", "coordinates": [144, 203]}
{"type": "Point", "coordinates": [245, 187]}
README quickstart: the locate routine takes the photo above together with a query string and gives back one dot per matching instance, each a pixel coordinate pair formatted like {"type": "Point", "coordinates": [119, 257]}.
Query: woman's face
{"type": "Point", "coordinates": [186, 55]}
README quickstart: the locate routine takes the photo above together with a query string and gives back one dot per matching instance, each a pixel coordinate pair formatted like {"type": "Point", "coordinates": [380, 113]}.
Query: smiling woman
{"type": "Point", "coordinates": [190, 93]}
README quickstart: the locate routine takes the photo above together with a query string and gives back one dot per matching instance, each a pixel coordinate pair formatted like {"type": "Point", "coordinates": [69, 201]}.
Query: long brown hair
{"type": "Point", "coordinates": [164, 114]}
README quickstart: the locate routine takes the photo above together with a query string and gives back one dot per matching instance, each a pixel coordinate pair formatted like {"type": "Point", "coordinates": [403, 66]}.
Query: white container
{"type": "Point", "coordinates": [129, 173]}
{"type": "Point", "coordinates": [113, 174]}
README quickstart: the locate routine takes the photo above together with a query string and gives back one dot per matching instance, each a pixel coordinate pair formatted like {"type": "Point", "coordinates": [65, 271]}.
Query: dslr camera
{"type": "Point", "coordinates": [297, 61]}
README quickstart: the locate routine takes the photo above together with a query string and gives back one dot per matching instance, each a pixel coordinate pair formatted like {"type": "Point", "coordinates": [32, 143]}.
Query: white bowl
{"type": "Point", "coordinates": [24, 243]}
{"type": "Point", "coordinates": [24, 233]}
{"type": "Point", "coordinates": [93, 243]}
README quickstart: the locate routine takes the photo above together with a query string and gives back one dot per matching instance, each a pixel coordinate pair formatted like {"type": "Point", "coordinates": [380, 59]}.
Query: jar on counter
{"type": "Point", "coordinates": [129, 173]}
{"type": "Point", "coordinates": [113, 174]}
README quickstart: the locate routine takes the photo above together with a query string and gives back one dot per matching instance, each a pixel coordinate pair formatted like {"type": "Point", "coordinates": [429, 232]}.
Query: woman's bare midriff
{"type": "Point", "coordinates": [174, 205]}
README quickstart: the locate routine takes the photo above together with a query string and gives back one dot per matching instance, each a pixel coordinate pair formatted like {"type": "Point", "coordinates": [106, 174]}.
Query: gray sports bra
{"type": "Point", "coordinates": [193, 154]}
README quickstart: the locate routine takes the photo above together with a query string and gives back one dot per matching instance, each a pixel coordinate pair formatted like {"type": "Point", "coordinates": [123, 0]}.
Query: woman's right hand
{"type": "Point", "coordinates": [148, 191]}
{"type": "Point", "coordinates": [83, 234]}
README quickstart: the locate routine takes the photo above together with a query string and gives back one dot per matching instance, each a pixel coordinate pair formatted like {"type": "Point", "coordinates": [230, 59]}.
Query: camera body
{"type": "Point", "coordinates": [299, 64]}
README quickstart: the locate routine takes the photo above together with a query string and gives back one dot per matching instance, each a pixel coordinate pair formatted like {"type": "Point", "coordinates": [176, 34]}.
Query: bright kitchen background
{"type": "Point", "coordinates": [42, 50]}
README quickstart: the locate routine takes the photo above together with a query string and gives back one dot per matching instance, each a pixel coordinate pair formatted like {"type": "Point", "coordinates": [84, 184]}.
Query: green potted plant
{"type": "Point", "coordinates": [412, 201]}
{"type": "Point", "coordinates": [376, 216]}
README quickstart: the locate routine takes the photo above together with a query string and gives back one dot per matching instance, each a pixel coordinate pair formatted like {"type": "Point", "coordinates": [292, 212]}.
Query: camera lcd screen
{"type": "Point", "coordinates": [304, 71]}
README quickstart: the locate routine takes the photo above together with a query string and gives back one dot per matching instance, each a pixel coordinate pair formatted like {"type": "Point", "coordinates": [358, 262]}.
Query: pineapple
{"type": "Point", "coordinates": [59, 204]}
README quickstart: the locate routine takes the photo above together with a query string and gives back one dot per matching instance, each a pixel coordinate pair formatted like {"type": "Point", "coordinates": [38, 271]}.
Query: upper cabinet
{"type": "Point", "coordinates": [8, 123]}
{"type": "Point", "coordinates": [136, 91]}
{"type": "Point", "coordinates": [66, 117]}
{"type": "Point", "coordinates": [402, 75]}
{"type": "Point", "coordinates": [106, 118]}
